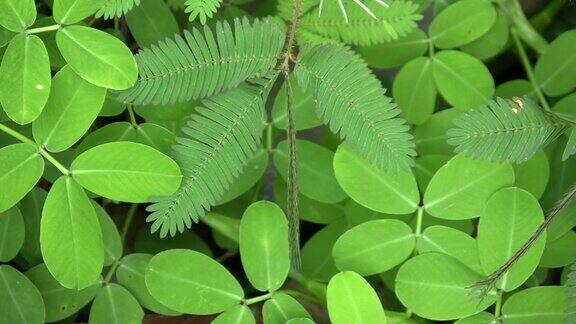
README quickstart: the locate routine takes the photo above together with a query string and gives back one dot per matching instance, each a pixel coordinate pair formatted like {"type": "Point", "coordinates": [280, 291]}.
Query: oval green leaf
{"type": "Point", "coordinates": [98, 57]}
{"type": "Point", "coordinates": [374, 247]}
{"type": "Point", "coordinates": [21, 166]}
{"type": "Point", "coordinates": [435, 286]}
{"type": "Point", "coordinates": [17, 15]}
{"type": "Point", "coordinates": [460, 189]}
{"type": "Point", "coordinates": [115, 305]}
{"type": "Point", "coordinates": [70, 236]}
{"type": "Point", "coordinates": [414, 90]}
{"type": "Point", "coordinates": [316, 178]}
{"type": "Point", "coordinates": [25, 78]}
{"type": "Point", "coordinates": [556, 68]}
{"type": "Point", "coordinates": [20, 299]}
{"type": "Point", "coordinates": [110, 236]}
{"type": "Point", "coordinates": [126, 171]}
{"type": "Point", "coordinates": [264, 246]}
{"type": "Point", "coordinates": [67, 12]}
{"type": "Point", "coordinates": [130, 275]}
{"type": "Point", "coordinates": [281, 308]}
{"type": "Point", "coordinates": [151, 21]}
{"type": "Point", "coordinates": [31, 208]}
{"type": "Point", "coordinates": [374, 188]}
{"type": "Point", "coordinates": [192, 283]}
{"type": "Point", "coordinates": [396, 52]}
{"type": "Point", "coordinates": [545, 304]}
{"type": "Point", "coordinates": [239, 314]}
{"type": "Point", "coordinates": [72, 107]}
{"type": "Point", "coordinates": [11, 233]}
{"type": "Point", "coordinates": [60, 302]}
{"type": "Point", "coordinates": [462, 23]}
{"type": "Point", "coordinates": [317, 260]}
{"type": "Point", "coordinates": [351, 299]}
{"type": "Point", "coordinates": [462, 79]}
{"type": "Point", "coordinates": [509, 219]}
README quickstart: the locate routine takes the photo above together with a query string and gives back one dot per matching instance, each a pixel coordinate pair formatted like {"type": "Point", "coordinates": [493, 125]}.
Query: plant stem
{"type": "Point", "coordinates": [419, 217]}
{"type": "Point", "coordinates": [529, 70]}
{"type": "Point", "coordinates": [257, 299]}
{"type": "Point", "coordinates": [125, 227]}
{"type": "Point", "coordinates": [17, 135]}
{"type": "Point", "coordinates": [289, 53]}
{"type": "Point", "coordinates": [269, 138]}
{"type": "Point", "coordinates": [132, 116]}
{"type": "Point", "coordinates": [498, 307]}
{"type": "Point", "coordinates": [43, 29]}
{"type": "Point", "coordinates": [516, 17]}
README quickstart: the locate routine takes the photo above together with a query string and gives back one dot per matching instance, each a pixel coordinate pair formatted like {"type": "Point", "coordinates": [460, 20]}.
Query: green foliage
{"type": "Point", "coordinates": [159, 158]}
{"type": "Point", "coordinates": [203, 64]}
{"type": "Point", "coordinates": [351, 101]}
{"type": "Point", "coordinates": [504, 130]}
{"type": "Point", "coordinates": [203, 9]}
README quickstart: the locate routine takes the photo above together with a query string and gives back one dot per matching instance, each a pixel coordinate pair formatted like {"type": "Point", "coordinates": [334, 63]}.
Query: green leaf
{"type": "Point", "coordinates": [351, 299]}
{"type": "Point", "coordinates": [21, 166]}
{"type": "Point", "coordinates": [114, 304]}
{"type": "Point", "coordinates": [70, 236]}
{"type": "Point", "coordinates": [21, 302]}
{"type": "Point", "coordinates": [281, 308]}
{"type": "Point", "coordinates": [98, 57]}
{"type": "Point", "coordinates": [398, 52]}
{"type": "Point", "coordinates": [361, 248]}
{"type": "Point", "coordinates": [425, 168]}
{"type": "Point", "coordinates": [414, 90]}
{"type": "Point", "coordinates": [560, 252]}
{"type": "Point", "coordinates": [435, 286]}
{"type": "Point", "coordinates": [72, 107]}
{"type": "Point", "coordinates": [150, 22]}
{"type": "Point", "coordinates": [317, 261]}
{"type": "Point", "coordinates": [462, 79]}
{"type": "Point", "coordinates": [570, 145]}
{"type": "Point", "coordinates": [431, 137]}
{"type": "Point", "coordinates": [192, 283]}
{"type": "Point", "coordinates": [126, 171]}
{"type": "Point", "coordinates": [509, 219]}
{"type": "Point", "coordinates": [149, 134]}
{"type": "Point", "coordinates": [11, 233]}
{"type": "Point", "coordinates": [251, 174]}
{"type": "Point", "coordinates": [302, 106]}
{"type": "Point", "coordinates": [392, 22]}
{"type": "Point", "coordinates": [110, 237]}
{"type": "Point", "coordinates": [462, 23]}
{"type": "Point", "coordinates": [229, 227]}
{"type": "Point", "coordinates": [316, 178]}
{"type": "Point", "coordinates": [533, 174]}
{"type": "Point", "coordinates": [130, 275]}
{"type": "Point", "coordinates": [207, 62]}
{"type": "Point", "coordinates": [24, 78]}
{"type": "Point", "coordinates": [491, 43]}
{"type": "Point", "coordinates": [147, 242]}
{"type": "Point", "coordinates": [556, 67]}
{"type": "Point", "coordinates": [239, 314]}
{"type": "Point", "coordinates": [60, 302]}
{"type": "Point", "coordinates": [114, 8]}
{"type": "Point", "coordinates": [480, 318]}
{"type": "Point", "coordinates": [355, 107]}
{"type": "Point", "coordinates": [264, 245]}
{"type": "Point", "coordinates": [31, 208]}
{"type": "Point", "coordinates": [68, 12]}
{"type": "Point", "coordinates": [536, 305]}
{"type": "Point", "coordinates": [202, 8]}
{"type": "Point", "coordinates": [460, 189]}
{"type": "Point", "coordinates": [451, 242]}
{"type": "Point", "coordinates": [504, 130]}
{"type": "Point", "coordinates": [17, 15]}
{"type": "Point", "coordinates": [374, 188]}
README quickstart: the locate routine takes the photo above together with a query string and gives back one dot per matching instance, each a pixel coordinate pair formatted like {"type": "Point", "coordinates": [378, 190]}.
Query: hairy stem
{"type": "Point", "coordinates": [529, 70]}
{"type": "Point", "coordinates": [293, 197]}
{"type": "Point", "coordinates": [17, 135]}
{"type": "Point", "coordinates": [486, 285]}
{"type": "Point", "coordinates": [526, 31]}
{"type": "Point", "coordinates": [288, 56]}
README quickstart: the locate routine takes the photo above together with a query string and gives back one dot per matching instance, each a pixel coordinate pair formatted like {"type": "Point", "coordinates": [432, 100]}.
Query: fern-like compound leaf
{"type": "Point", "coordinates": [504, 130]}
{"type": "Point", "coordinates": [390, 23]}
{"type": "Point", "coordinates": [203, 9]}
{"type": "Point", "coordinates": [199, 65]}
{"type": "Point", "coordinates": [114, 8]}
{"type": "Point", "coordinates": [218, 141]}
{"type": "Point", "coordinates": [352, 102]}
